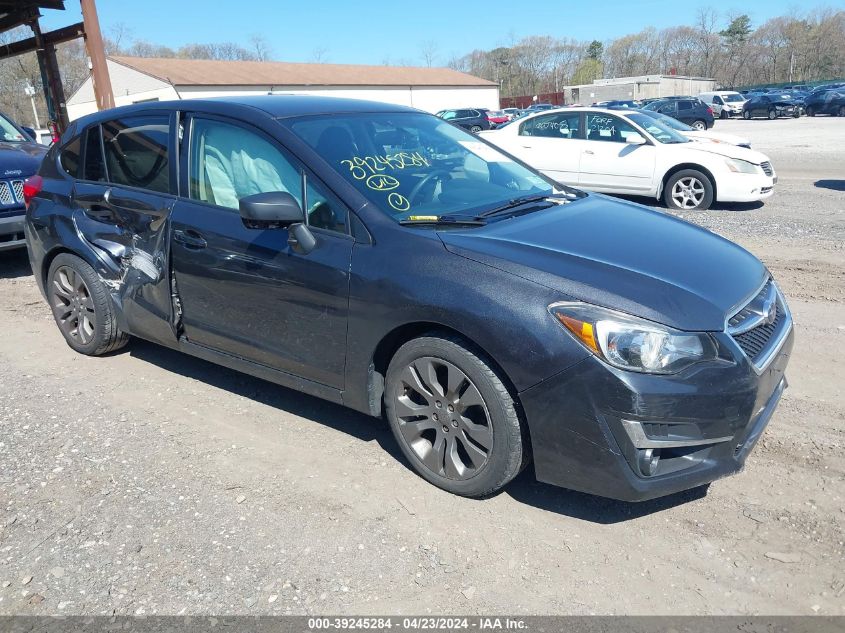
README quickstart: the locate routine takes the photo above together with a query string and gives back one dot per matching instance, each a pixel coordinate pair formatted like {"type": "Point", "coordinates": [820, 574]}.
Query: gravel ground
{"type": "Point", "coordinates": [148, 482]}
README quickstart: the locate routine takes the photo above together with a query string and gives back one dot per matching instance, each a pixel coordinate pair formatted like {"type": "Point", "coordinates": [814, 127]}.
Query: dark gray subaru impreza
{"type": "Point", "coordinates": [381, 258]}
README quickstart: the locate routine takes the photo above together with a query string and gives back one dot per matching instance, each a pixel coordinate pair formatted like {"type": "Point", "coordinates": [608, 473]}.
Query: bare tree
{"type": "Point", "coordinates": [261, 47]}
{"type": "Point", "coordinates": [428, 52]}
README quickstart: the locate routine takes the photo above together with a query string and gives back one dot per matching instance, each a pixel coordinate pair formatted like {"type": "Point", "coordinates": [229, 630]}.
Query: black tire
{"type": "Point", "coordinates": [746, 114]}
{"type": "Point", "coordinates": [475, 129]}
{"type": "Point", "coordinates": [670, 195]}
{"type": "Point", "coordinates": [723, 114]}
{"type": "Point", "coordinates": [699, 125]}
{"type": "Point", "coordinates": [82, 307]}
{"type": "Point", "coordinates": [811, 111]}
{"type": "Point", "coordinates": [773, 114]}
{"type": "Point", "coordinates": [486, 440]}
{"type": "Point", "coordinates": [841, 110]}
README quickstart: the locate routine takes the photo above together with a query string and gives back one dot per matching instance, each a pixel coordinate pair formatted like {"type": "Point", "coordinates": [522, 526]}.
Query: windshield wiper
{"type": "Point", "coordinates": [443, 220]}
{"type": "Point", "coordinates": [515, 203]}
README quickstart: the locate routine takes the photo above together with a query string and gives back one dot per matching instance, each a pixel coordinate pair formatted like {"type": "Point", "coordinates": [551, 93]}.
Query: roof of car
{"type": "Point", "coordinates": [274, 105]}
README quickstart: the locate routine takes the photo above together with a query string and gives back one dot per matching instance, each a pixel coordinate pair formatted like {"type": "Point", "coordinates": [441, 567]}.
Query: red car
{"type": "Point", "coordinates": [497, 117]}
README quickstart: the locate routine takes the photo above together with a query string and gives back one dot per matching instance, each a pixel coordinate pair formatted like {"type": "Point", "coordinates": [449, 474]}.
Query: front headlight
{"type": "Point", "coordinates": [742, 166]}
{"type": "Point", "coordinates": [632, 343]}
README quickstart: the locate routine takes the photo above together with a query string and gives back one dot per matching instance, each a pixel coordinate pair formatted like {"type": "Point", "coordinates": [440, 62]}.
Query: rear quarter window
{"type": "Point", "coordinates": [69, 157]}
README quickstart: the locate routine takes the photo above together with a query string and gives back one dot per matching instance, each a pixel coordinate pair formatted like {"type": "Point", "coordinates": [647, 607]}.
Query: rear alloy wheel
{"type": "Point", "coordinates": [688, 190]}
{"type": "Point", "coordinates": [82, 308]}
{"type": "Point", "coordinates": [773, 114]}
{"type": "Point", "coordinates": [746, 114]}
{"type": "Point", "coordinates": [475, 129]}
{"type": "Point", "coordinates": [699, 125]}
{"type": "Point", "coordinates": [453, 417]}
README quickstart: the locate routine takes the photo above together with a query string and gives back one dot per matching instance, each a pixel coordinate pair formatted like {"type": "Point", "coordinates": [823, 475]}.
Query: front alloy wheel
{"type": "Point", "coordinates": [746, 114]}
{"type": "Point", "coordinates": [453, 417]}
{"type": "Point", "coordinates": [773, 114]}
{"type": "Point", "coordinates": [443, 418]}
{"type": "Point", "coordinates": [688, 190]}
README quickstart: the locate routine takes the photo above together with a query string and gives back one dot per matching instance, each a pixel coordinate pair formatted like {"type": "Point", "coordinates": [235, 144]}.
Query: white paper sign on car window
{"type": "Point", "coordinates": [485, 152]}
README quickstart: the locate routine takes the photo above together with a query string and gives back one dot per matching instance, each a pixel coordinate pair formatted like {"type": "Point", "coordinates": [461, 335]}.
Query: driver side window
{"type": "Point", "coordinates": [136, 151]}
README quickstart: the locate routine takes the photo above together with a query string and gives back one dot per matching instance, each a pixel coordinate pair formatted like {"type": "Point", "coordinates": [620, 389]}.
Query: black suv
{"type": "Point", "coordinates": [690, 110]}
{"type": "Point", "coordinates": [826, 102]}
{"type": "Point", "coordinates": [20, 157]}
{"type": "Point", "coordinates": [378, 257]}
{"type": "Point", "coordinates": [473, 119]}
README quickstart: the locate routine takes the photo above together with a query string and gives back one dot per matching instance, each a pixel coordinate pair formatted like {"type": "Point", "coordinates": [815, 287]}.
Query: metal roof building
{"type": "Point", "coordinates": [139, 79]}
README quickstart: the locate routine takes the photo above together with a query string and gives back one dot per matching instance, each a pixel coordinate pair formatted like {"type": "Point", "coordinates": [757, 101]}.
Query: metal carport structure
{"type": "Point", "coordinates": [15, 13]}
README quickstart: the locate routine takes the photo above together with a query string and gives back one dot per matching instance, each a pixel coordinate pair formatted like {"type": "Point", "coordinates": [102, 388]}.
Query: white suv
{"type": "Point", "coordinates": [614, 151]}
{"type": "Point", "coordinates": [725, 103]}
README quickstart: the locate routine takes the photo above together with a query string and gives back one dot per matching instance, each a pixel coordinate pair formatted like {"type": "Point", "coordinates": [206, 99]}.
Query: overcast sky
{"type": "Point", "coordinates": [378, 31]}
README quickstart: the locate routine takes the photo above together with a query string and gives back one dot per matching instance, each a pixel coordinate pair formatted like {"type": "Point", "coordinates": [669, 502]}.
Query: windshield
{"type": "Point", "coordinates": [414, 165]}
{"type": "Point", "coordinates": [735, 98]}
{"type": "Point", "coordinates": [9, 133]}
{"type": "Point", "coordinates": [659, 130]}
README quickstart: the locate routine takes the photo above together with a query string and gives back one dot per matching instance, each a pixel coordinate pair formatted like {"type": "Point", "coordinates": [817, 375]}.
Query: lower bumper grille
{"type": "Point", "coordinates": [11, 193]}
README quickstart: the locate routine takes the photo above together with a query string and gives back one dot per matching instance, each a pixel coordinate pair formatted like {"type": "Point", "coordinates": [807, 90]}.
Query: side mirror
{"type": "Point", "coordinates": [635, 139]}
{"type": "Point", "coordinates": [30, 133]}
{"type": "Point", "coordinates": [273, 207]}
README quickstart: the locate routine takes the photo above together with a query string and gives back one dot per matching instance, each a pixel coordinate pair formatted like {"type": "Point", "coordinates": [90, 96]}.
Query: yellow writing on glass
{"type": "Point", "coordinates": [398, 202]}
{"type": "Point", "coordinates": [363, 166]}
{"type": "Point", "coordinates": [382, 182]}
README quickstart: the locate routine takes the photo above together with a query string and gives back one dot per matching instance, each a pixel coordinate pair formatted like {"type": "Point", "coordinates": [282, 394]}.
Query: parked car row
{"type": "Point", "coordinates": [381, 258]}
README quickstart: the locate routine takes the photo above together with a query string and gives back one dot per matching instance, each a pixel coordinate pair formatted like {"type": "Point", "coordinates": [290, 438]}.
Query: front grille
{"type": "Point", "coordinates": [760, 326]}
{"type": "Point", "coordinates": [767, 168]}
{"type": "Point", "coordinates": [754, 341]}
{"type": "Point", "coordinates": [11, 193]}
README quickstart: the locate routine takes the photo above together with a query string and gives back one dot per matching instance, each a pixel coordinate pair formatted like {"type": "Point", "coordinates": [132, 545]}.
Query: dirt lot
{"type": "Point", "coordinates": [149, 482]}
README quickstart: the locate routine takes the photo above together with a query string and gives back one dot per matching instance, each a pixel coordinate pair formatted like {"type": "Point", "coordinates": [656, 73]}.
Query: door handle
{"type": "Point", "coordinates": [589, 151]}
{"type": "Point", "coordinates": [189, 239]}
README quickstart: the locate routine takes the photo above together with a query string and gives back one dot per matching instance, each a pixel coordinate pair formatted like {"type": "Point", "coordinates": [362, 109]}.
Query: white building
{"type": "Point", "coordinates": [642, 87]}
{"type": "Point", "coordinates": [139, 79]}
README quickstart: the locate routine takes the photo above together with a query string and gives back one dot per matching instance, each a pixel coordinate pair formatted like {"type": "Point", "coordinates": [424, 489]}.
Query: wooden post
{"type": "Point", "coordinates": [97, 54]}
{"type": "Point", "coordinates": [51, 78]}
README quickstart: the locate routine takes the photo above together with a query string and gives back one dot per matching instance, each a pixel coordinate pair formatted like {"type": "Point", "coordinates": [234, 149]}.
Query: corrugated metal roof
{"type": "Point", "coordinates": [206, 72]}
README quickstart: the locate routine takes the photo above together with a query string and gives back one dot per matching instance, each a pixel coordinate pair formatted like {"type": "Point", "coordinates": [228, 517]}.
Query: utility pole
{"type": "Point", "coordinates": [96, 53]}
{"type": "Point", "coordinates": [30, 92]}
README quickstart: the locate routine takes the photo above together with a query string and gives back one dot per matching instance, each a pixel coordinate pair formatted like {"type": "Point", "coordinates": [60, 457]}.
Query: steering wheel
{"type": "Point", "coordinates": [436, 174]}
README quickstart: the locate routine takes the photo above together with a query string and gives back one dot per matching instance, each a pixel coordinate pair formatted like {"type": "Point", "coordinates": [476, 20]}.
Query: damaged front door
{"type": "Point", "coordinates": [123, 207]}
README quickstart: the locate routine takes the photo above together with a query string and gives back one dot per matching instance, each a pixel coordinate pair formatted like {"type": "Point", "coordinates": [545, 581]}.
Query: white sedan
{"type": "Point", "coordinates": [615, 151]}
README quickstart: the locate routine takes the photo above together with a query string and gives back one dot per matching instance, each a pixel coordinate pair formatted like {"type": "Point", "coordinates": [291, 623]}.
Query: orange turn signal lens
{"type": "Point", "coordinates": [581, 329]}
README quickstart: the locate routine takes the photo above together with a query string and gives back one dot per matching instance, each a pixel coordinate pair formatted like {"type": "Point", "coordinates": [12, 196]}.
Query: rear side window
{"type": "Point", "coordinates": [136, 151]}
{"type": "Point", "coordinates": [558, 125]}
{"type": "Point", "coordinates": [69, 158]}
{"type": "Point", "coordinates": [684, 105]}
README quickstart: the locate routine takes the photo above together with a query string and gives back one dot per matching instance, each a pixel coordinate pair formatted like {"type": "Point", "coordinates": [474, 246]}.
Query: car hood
{"type": "Point", "coordinates": [20, 160]}
{"type": "Point", "coordinates": [727, 150]}
{"type": "Point", "coordinates": [623, 256]}
{"type": "Point", "coordinates": [717, 137]}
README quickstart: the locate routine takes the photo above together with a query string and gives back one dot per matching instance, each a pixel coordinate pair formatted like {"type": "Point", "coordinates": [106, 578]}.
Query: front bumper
{"type": "Point", "coordinates": [733, 187]}
{"type": "Point", "coordinates": [593, 425]}
{"type": "Point", "coordinates": [12, 231]}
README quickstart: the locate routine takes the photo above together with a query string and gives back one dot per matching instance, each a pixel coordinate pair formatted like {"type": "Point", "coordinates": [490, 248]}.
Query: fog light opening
{"type": "Point", "coordinates": [648, 460]}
